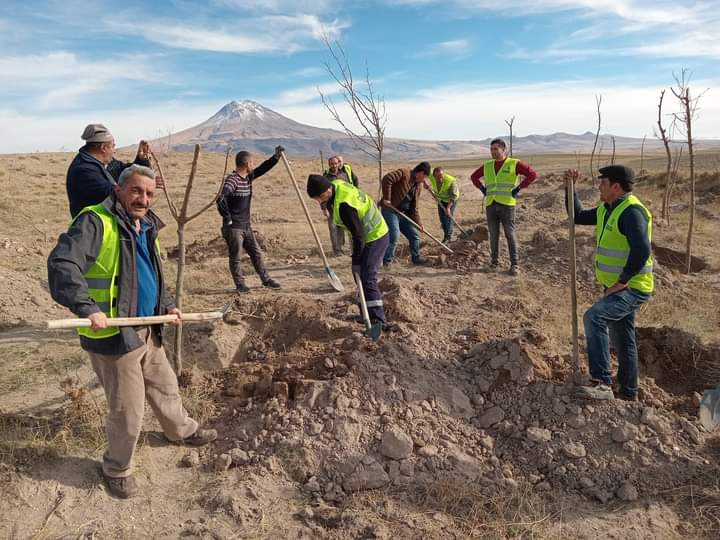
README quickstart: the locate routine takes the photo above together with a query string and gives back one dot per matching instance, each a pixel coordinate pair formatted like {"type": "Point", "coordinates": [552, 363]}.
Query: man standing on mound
{"type": "Point", "coordinates": [356, 212]}
{"type": "Point", "coordinates": [624, 267]}
{"type": "Point", "coordinates": [234, 207]}
{"type": "Point", "coordinates": [106, 266]}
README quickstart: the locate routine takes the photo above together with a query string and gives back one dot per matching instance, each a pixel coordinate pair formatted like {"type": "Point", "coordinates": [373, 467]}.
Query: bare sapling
{"type": "Point", "coordinates": [367, 107]}
{"type": "Point", "coordinates": [182, 218]}
{"type": "Point", "coordinates": [510, 126]}
{"type": "Point", "coordinates": [663, 136]}
{"type": "Point", "coordinates": [598, 102]}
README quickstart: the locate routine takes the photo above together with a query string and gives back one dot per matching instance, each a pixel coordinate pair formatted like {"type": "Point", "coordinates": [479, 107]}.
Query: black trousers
{"type": "Point", "coordinates": [497, 215]}
{"type": "Point", "coordinates": [243, 239]}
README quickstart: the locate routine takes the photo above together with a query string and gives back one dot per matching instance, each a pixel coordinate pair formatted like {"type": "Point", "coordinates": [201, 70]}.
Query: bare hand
{"type": "Point", "coordinates": [175, 311]}
{"type": "Point", "coordinates": [98, 321]}
{"type": "Point", "coordinates": [571, 175]}
{"type": "Point", "coordinates": [616, 288]}
{"type": "Point", "coordinates": [385, 203]}
{"type": "Point", "coordinates": [143, 150]}
{"type": "Point", "coordinates": [447, 211]}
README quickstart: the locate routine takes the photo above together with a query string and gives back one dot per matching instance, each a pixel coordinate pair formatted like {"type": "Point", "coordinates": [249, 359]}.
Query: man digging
{"type": "Point", "coordinates": [107, 265]}
{"type": "Point", "coordinates": [338, 170]}
{"type": "Point", "coordinates": [624, 267]}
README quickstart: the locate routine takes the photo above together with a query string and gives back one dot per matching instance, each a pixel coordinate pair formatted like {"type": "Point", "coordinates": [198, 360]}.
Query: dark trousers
{"type": "Point", "coordinates": [445, 221]}
{"type": "Point", "coordinates": [500, 214]}
{"type": "Point", "coordinates": [237, 240]}
{"type": "Point", "coordinates": [612, 320]}
{"type": "Point", "coordinates": [370, 261]}
{"type": "Point", "coordinates": [398, 225]}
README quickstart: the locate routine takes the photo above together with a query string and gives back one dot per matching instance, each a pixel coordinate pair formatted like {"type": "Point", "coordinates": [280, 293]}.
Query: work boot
{"type": "Point", "coordinates": [242, 288]}
{"type": "Point", "coordinates": [420, 260]}
{"type": "Point", "coordinates": [270, 283]}
{"type": "Point", "coordinates": [122, 488]}
{"type": "Point", "coordinates": [595, 390]}
{"type": "Point", "coordinates": [492, 267]}
{"type": "Point", "coordinates": [514, 270]}
{"type": "Point", "coordinates": [201, 437]}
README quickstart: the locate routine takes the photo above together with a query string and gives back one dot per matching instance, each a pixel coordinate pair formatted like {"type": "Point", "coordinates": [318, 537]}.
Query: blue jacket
{"type": "Point", "coordinates": [89, 182]}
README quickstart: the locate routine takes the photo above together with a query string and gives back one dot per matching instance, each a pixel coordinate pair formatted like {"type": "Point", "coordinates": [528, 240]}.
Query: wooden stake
{"type": "Point", "coordinates": [573, 282]}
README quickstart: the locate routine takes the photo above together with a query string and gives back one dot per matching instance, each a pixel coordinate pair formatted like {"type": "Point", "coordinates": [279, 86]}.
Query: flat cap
{"type": "Point", "coordinates": [618, 173]}
{"type": "Point", "coordinates": [96, 133]}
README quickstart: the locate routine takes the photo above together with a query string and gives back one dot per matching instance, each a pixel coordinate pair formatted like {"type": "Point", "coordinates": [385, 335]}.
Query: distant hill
{"type": "Point", "coordinates": [248, 125]}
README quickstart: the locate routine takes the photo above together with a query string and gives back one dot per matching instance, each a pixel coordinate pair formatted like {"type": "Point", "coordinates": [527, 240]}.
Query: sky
{"type": "Point", "coordinates": [455, 69]}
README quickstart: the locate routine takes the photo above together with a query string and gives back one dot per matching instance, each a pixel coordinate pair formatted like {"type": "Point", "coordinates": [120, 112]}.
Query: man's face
{"type": "Point", "coordinates": [107, 151]}
{"type": "Point", "coordinates": [334, 164]}
{"type": "Point", "coordinates": [438, 174]}
{"type": "Point", "coordinates": [136, 195]}
{"type": "Point", "coordinates": [419, 176]}
{"type": "Point", "coordinates": [324, 197]}
{"type": "Point", "coordinates": [608, 191]}
{"type": "Point", "coordinates": [497, 152]}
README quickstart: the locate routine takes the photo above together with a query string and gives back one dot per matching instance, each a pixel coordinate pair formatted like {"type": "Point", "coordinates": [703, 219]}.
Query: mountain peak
{"type": "Point", "coordinates": [239, 109]}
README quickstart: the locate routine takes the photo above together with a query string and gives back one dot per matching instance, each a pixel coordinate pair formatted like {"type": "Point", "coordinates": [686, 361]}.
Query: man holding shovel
{"type": "Point", "coordinates": [401, 191]}
{"type": "Point", "coordinates": [447, 193]}
{"type": "Point", "coordinates": [624, 267]}
{"type": "Point", "coordinates": [106, 266]}
{"type": "Point", "coordinates": [356, 212]}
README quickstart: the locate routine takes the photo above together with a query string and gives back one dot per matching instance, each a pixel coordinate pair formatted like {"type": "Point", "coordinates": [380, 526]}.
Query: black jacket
{"type": "Point", "coordinates": [89, 182]}
{"type": "Point", "coordinates": [76, 252]}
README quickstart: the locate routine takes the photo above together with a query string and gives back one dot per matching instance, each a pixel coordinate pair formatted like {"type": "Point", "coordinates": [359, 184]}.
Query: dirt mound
{"type": "Point", "coordinates": [22, 297]}
{"type": "Point", "coordinates": [404, 300]}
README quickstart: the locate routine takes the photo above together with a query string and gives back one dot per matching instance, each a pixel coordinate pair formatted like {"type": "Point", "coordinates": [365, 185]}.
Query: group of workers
{"type": "Point", "coordinates": [108, 265]}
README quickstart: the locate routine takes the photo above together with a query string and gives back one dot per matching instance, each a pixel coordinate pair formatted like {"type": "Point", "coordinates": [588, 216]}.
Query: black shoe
{"type": "Point", "coordinates": [242, 288]}
{"type": "Point", "coordinates": [271, 284]}
{"type": "Point", "coordinates": [420, 260]}
{"type": "Point", "coordinates": [492, 267]}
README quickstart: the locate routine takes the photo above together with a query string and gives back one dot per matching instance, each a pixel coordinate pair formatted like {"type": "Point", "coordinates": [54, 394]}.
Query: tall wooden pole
{"type": "Point", "coordinates": [573, 281]}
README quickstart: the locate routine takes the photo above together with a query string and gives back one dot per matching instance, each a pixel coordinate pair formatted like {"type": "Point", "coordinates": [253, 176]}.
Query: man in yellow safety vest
{"type": "Point", "coordinates": [339, 170]}
{"type": "Point", "coordinates": [446, 190]}
{"type": "Point", "coordinates": [624, 267]}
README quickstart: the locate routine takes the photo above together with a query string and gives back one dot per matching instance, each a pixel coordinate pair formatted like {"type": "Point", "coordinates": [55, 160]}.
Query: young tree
{"type": "Point", "coordinates": [666, 143]}
{"type": "Point", "coordinates": [598, 102]}
{"type": "Point", "coordinates": [612, 157]}
{"type": "Point", "coordinates": [642, 157]}
{"type": "Point", "coordinates": [366, 106]}
{"type": "Point", "coordinates": [684, 121]}
{"type": "Point", "coordinates": [510, 125]}
{"type": "Point", "coordinates": [182, 218]}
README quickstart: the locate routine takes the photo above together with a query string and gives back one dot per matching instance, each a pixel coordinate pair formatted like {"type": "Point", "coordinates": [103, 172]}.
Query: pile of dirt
{"type": "Point", "coordinates": [23, 297]}
{"type": "Point", "coordinates": [403, 299]}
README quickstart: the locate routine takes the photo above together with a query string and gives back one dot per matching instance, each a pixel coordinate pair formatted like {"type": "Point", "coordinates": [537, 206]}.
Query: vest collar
{"type": "Point", "coordinates": [617, 202]}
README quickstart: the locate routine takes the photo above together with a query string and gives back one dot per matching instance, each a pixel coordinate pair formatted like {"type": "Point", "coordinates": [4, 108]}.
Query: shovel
{"type": "Point", "coordinates": [372, 330]}
{"type": "Point", "coordinates": [463, 232]}
{"type": "Point", "coordinates": [399, 213]}
{"type": "Point", "coordinates": [334, 280]}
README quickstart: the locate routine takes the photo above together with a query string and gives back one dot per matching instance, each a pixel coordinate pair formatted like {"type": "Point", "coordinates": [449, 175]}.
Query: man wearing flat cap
{"type": "Point", "coordinates": [93, 173]}
{"type": "Point", "coordinates": [624, 267]}
{"type": "Point", "coordinates": [356, 212]}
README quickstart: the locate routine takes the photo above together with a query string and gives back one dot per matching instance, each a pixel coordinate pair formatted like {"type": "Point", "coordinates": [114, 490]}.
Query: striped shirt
{"type": "Point", "coordinates": [234, 201]}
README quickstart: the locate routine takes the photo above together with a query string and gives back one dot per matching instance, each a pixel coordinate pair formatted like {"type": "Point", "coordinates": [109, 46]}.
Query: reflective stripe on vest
{"type": "Point", "coordinates": [499, 185]}
{"type": "Point", "coordinates": [447, 188]}
{"type": "Point", "coordinates": [374, 225]}
{"type": "Point", "coordinates": [612, 248]}
{"type": "Point", "coordinates": [102, 276]}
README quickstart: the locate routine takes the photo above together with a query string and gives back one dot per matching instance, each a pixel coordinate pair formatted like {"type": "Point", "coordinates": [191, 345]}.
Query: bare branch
{"type": "Point", "coordinates": [219, 190]}
{"type": "Point", "coordinates": [598, 101]}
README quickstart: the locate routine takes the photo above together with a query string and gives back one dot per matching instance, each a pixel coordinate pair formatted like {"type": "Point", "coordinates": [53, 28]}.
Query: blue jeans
{"type": "Point", "coordinates": [398, 225]}
{"type": "Point", "coordinates": [612, 319]}
{"type": "Point", "coordinates": [445, 221]}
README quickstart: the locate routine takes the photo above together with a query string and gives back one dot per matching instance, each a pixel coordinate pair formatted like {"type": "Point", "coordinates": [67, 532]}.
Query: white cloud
{"type": "Point", "coordinates": [270, 34]}
{"type": "Point", "coordinates": [282, 6]}
{"type": "Point", "coordinates": [457, 48]}
{"type": "Point", "coordinates": [60, 79]}
{"type": "Point", "coordinates": [303, 94]}
{"type": "Point", "coordinates": [475, 112]}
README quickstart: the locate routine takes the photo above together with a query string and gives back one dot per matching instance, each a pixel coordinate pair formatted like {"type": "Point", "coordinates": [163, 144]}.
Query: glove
{"type": "Point", "coordinates": [227, 222]}
{"type": "Point", "coordinates": [515, 191]}
{"type": "Point", "coordinates": [483, 189]}
{"type": "Point", "coordinates": [278, 150]}
{"type": "Point", "coordinates": [356, 269]}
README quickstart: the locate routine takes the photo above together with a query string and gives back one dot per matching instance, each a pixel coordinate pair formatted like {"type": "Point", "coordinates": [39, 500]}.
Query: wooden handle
{"type": "Point", "coordinates": [398, 212]}
{"type": "Point", "coordinates": [136, 321]}
{"type": "Point", "coordinates": [573, 282]}
{"type": "Point", "coordinates": [304, 206]}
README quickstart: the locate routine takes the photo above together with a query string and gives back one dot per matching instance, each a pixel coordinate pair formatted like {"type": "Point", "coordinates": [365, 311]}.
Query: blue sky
{"type": "Point", "coordinates": [448, 69]}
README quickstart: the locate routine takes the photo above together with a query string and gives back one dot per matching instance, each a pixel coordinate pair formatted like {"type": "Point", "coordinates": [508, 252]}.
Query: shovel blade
{"type": "Point", "coordinates": [334, 280]}
{"type": "Point", "coordinates": [710, 409]}
{"type": "Point", "coordinates": [373, 331]}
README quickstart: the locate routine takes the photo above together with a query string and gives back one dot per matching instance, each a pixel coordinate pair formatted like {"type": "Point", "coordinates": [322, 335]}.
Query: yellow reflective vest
{"type": "Point", "coordinates": [499, 185]}
{"type": "Point", "coordinates": [373, 224]}
{"type": "Point", "coordinates": [446, 191]}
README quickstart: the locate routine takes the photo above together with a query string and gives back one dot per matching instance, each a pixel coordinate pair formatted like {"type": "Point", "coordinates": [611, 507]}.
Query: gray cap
{"type": "Point", "coordinates": [96, 133]}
